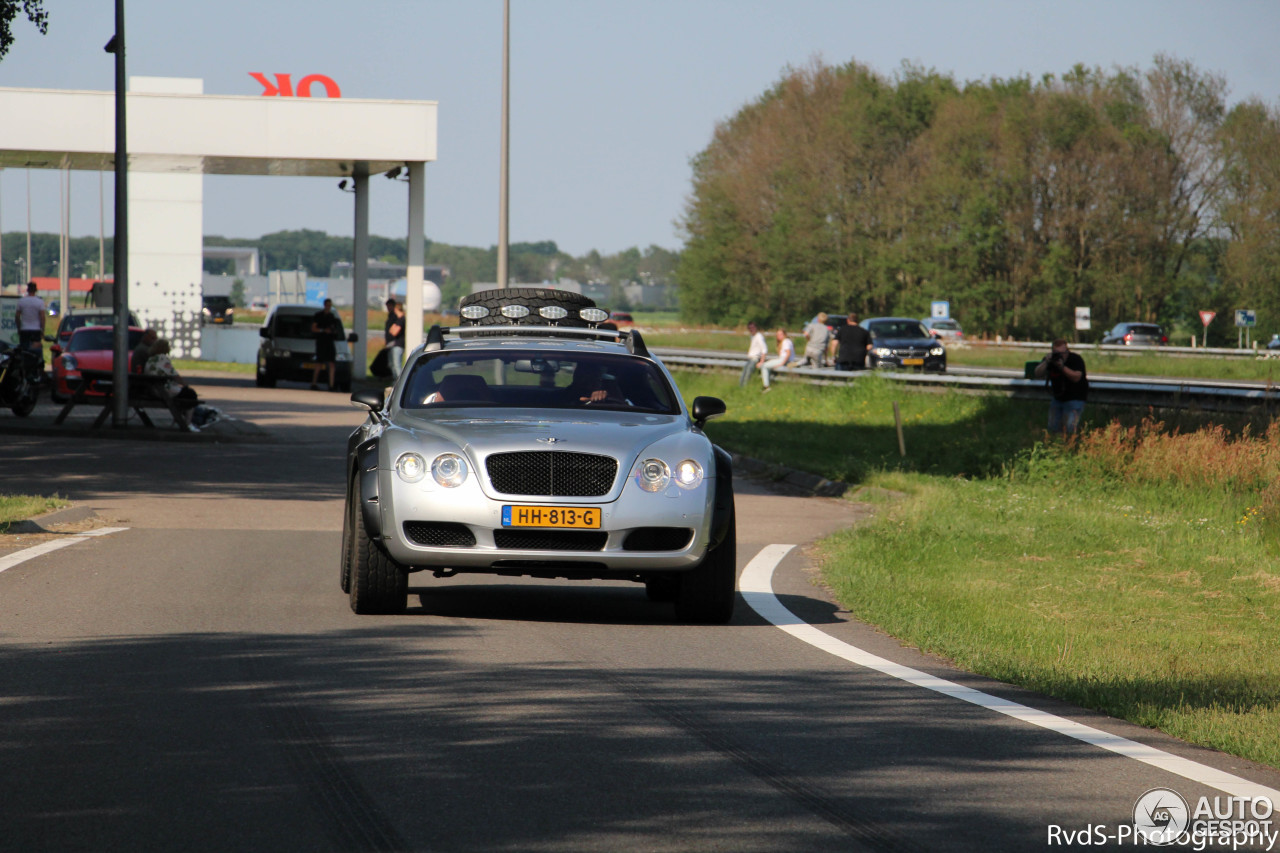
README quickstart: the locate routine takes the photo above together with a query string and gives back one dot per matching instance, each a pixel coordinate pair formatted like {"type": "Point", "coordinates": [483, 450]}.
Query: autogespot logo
{"type": "Point", "coordinates": [1160, 816]}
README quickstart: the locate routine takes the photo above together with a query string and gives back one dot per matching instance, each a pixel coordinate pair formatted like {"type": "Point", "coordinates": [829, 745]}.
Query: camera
{"type": "Point", "coordinates": [1056, 359]}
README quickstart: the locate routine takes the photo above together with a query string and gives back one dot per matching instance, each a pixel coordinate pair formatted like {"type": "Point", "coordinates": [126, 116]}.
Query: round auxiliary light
{"type": "Point", "coordinates": [593, 315]}
{"type": "Point", "coordinates": [688, 474]}
{"type": "Point", "coordinates": [449, 470]}
{"type": "Point", "coordinates": [411, 467]}
{"type": "Point", "coordinates": [653, 475]}
{"type": "Point", "coordinates": [515, 312]}
{"type": "Point", "coordinates": [475, 312]}
{"type": "Point", "coordinates": [553, 312]}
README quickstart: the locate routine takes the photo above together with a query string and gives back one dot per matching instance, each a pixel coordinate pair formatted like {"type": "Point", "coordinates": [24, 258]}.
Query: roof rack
{"type": "Point", "coordinates": [635, 343]}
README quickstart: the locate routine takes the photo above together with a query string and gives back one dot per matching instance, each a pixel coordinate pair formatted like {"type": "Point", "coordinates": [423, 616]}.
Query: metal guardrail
{"type": "Point", "coordinates": [1158, 393]}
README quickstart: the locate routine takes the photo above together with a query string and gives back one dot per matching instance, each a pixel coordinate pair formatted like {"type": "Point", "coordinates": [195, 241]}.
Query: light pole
{"type": "Point", "coordinates": [506, 138]}
{"type": "Point", "coordinates": [120, 292]}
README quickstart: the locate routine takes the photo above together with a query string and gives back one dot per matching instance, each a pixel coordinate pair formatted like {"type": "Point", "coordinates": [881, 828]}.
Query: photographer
{"type": "Point", "coordinates": [1065, 373]}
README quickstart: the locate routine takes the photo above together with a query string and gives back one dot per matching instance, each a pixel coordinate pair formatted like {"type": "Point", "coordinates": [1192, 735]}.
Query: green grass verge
{"type": "Point", "coordinates": [22, 507]}
{"type": "Point", "coordinates": [1035, 564]}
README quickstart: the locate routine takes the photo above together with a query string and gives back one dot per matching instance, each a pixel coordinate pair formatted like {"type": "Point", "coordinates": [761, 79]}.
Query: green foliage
{"type": "Point", "coordinates": [9, 10]}
{"type": "Point", "coordinates": [1015, 200]}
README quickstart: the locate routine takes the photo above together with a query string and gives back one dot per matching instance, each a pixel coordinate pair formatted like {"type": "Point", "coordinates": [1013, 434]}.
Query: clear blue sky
{"type": "Point", "coordinates": [609, 99]}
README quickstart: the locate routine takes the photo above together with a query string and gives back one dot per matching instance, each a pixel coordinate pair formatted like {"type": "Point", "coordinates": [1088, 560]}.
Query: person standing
{"type": "Point", "coordinates": [757, 352]}
{"type": "Point", "coordinates": [851, 344]}
{"type": "Point", "coordinates": [394, 335]}
{"type": "Point", "coordinates": [1069, 382]}
{"type": "Point", "coordinates": [31, 320]}
{"type": "Point", "coordinates": [817, 340]}
{"type": "Point", "coordinates": [786, 352]}
{"type": "Point", "coordinates": [327, 327]}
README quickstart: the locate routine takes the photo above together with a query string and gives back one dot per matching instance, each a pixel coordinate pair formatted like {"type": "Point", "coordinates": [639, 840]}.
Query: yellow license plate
{"type": "Point", "coordinates": [913, 362]}
{"type": "Point", "coordinates": [551, 516]}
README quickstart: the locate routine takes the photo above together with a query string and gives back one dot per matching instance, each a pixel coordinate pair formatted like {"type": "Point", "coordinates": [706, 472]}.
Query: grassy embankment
{"type": "Point", "coordinates": [1134, 571]}
{"type": "Point", "coordinates": [20, 507]}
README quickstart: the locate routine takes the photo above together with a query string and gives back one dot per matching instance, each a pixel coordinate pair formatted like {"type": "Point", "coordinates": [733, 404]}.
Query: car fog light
{"type": "Point", "coordinates": [553, 312]}
{"type": "Point", "coordinates": [688, 474]}
{"type": "Point", "coordinates": [515, 312]}
{"type": "Point", "coordinates": [937, 351]}
{"type": "Point", "coordinates": [474, 312]}
{"type": "Point", "coordinates": [449, 470]}
{"type": "Point", "coordinates": [653, 475]}
{"type": "Point", "coordinates": [411, 467]}
{"type": "Point", "coordinates": [593, 315]}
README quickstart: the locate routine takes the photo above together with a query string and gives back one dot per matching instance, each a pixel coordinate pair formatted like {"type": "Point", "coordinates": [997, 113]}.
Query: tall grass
{"type": "Point", "coordinates": [1131, 570]}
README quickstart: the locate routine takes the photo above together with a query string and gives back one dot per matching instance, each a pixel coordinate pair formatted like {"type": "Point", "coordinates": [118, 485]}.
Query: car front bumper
{"type": "Point", "coordinates": [615, 549]}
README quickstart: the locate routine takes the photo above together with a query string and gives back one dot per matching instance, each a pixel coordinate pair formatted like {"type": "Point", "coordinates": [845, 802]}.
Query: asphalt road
{"type": "Point", "coordinates": [195, 680]}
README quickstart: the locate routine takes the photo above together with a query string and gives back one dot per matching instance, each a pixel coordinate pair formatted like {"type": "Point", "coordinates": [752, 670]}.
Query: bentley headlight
{"type": "Point", "coordinates": [688, 474]}
{"type": "Point", "coordinates": [449, 470]}
{"type": "Point", "coordinates": [411, 467]}
{"type": "Point", "coordinates": [937, 351]}
{"type": "Point", "coordinates": [653, 475]}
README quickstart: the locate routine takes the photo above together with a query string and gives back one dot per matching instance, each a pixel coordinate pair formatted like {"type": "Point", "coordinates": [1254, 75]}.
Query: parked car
{"type": "Point", "coordinates": [218, 310]}
{"type": "Point", "coordinates": [943, 328]}
{"type": "Point", "coordinates": [1274, 343]}
{"type": "Point", "coordinates": [288, 349]}
{"type": "Point", "coordinates": [258, 304]}
{"type": "Point", "coordinates": [78, 318]}
{"type": "Point", "coordinates": [904, 342]}
{"type": "Point", "coordinates": [531, 440]}
{"type": "Point", "coordinates": [1130, 334]}
{"type": "Point", "coordinates": [89, 348]}
{"type": "Point", "coordinates": [621, 318]}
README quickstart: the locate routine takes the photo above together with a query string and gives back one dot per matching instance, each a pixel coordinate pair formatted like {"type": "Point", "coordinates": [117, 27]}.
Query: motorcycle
{"type": "Point", "coordinates": [19, 379]}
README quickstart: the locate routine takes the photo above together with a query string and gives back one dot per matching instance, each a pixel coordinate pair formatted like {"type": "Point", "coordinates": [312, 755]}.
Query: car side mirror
{"type": "Point", "coordinates": [705, 408]}
{"type": "Point", "coordinates": [371, 400]}
{"type": "Point", "coordinates": [352, 338]}
{"type": "Point", "coordinates": [264, 332]}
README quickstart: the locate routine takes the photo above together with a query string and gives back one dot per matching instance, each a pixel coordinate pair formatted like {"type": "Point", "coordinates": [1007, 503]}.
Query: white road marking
{"type": "Point", "coordinates": [19, 557]}
{"type": "Point", "coordinates": [756, 586]}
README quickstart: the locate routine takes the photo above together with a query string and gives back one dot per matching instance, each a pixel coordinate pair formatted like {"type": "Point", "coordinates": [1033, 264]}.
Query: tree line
{"type": "Point", "coordinates": [316, 252]}
{"type": "Point", "coordinates": [1137, 193]}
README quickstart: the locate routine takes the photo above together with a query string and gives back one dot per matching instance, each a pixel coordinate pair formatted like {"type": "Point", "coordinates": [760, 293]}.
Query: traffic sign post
{"type": "Point", "coordinates": [940, 310]}
{"type": "Point", "coordinates": [1206, 317]}
{"type": "Point", "coordinates": [1246, 319]}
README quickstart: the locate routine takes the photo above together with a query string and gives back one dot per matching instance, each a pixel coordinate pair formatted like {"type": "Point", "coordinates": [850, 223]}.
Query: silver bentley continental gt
{"type": "Point", "coordinates": [531, 441]}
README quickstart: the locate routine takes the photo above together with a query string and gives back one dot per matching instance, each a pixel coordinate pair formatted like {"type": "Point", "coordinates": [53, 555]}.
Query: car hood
{"type": "Point", "coordinates": [622, 435]}
{"type": "Point", "coordinates": [92, 359]}
{"type": "Point", "coordinates": [306, 345]}
{"type": "Point", "coordinates": [905, 343]}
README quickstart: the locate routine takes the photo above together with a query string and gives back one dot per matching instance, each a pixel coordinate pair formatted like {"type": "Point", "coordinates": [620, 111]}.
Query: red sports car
{"type": "Point", "coordinates": [89, 348]}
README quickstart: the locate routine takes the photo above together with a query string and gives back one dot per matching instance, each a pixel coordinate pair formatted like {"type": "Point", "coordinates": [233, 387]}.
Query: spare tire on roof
{"type": "Point", "coordinates": [532, 298]}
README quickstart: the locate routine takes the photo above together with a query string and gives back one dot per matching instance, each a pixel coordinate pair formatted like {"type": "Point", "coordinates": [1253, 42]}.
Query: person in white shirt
{"type": "Point", "coordinates": [756, 353]}
{"type": "Point", "coordinates": [786, 352]}
{"type": "Point", "coordinates": [31, 320]}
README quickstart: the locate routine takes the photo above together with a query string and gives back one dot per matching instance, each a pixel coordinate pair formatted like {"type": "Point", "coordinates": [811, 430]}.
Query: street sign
{"type": "Point", "coordinates": [940, 310]}
{"type": "Point", "coordinates": [1206, 317]}
{"type": "Point", "coordinates": [1082, 319]}
{"type": "Point", "coordinates": [1246, 318]}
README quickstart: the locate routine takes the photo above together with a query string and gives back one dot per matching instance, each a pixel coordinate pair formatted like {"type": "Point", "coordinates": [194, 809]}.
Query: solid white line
{"type": "Point", "coordinates": [19, 557]}
{"type": "Point", "coordinates": [756, 586]}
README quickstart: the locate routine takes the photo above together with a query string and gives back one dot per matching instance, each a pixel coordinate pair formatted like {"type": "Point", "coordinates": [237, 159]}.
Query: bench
{"type": "Point", "coordinates": [145, 392]}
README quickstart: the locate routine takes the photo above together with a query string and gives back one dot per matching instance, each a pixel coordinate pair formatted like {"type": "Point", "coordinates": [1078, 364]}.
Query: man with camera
{"type": "Point", "coordinates": [1065, 373]}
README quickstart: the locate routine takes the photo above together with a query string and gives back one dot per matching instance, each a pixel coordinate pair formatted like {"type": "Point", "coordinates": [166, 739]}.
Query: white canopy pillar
{"type": "Point", "coordinates": [360, 275]}
{"type": "Point", "coordinates": [417, 253]}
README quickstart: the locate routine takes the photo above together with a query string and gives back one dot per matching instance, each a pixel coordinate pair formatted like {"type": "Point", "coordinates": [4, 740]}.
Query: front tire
{"type": "Point", "coordinates": [706, 594]}
{"type": "Point", "coordinates": [378, 584]}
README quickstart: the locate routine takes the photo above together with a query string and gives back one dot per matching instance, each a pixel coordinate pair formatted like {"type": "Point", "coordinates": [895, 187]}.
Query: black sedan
{"type": "Point", "coordinates": [902, 342]}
